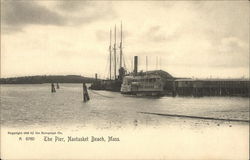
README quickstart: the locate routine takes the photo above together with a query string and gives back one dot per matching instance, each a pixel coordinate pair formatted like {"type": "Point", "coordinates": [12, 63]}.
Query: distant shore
{"type": "Point", "coordinates": [46, 79]}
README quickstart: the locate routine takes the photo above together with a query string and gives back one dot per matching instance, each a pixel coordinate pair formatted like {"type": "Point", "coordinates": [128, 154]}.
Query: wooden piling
{"type": "Point", "coordinates": [85, 93]}
{"type": "Point", "coordinates": [53, 88]}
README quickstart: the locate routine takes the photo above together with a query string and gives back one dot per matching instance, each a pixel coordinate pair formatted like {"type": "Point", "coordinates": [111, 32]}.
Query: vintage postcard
{"type": "Point", "coordinates": [104, 79]}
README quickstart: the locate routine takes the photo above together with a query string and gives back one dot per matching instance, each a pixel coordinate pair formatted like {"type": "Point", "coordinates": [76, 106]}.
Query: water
{"type": "Point", "coordinates": [35, 108]}
{"type": "Point", "coordinates": [34, 105]}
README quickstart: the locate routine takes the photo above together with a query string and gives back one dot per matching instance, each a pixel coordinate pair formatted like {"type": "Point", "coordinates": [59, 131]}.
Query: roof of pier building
{"type": "Point", "coordinates": [163, 74]}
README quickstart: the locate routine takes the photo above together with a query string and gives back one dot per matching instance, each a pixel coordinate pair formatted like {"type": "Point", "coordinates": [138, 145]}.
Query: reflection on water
{"type": "Point", "coordinates": [35, 105]}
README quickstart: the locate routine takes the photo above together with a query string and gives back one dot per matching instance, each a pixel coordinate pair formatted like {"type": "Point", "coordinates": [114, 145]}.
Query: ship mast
{"type": "Point", "coordinates": [121, 48]}
{"type": "Point", "coordinates": [110, 54]}
{"type": "Point", "coordinates": [160, 63]}
{"type": "Point", "coordinates": [156, 62]}
{"type": "Point", "coordinates": [115, 53]}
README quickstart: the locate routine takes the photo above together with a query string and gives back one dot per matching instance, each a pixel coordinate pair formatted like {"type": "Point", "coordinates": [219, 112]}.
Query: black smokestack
{"type": "Point", "coordinates": [135, 64]}
{"type": "Point", "coordinates": [96, 76]}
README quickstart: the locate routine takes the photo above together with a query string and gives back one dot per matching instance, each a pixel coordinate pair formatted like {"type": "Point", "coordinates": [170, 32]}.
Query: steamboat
{"type": "Point", "coordinates": [142, 83]}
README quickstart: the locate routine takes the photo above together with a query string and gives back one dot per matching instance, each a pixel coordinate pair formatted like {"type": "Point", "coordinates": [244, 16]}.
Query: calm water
{"type": "Point", "coordinates": [35, 105]}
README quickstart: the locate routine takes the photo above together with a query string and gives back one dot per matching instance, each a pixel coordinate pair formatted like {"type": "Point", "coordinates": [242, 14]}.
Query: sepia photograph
{"type": "Point", "coordinates": [128, 79]}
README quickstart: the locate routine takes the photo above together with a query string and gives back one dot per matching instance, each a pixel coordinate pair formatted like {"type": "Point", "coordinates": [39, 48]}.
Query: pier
{"type": "Point", "coordinates": [186, 86]}
{"type": "Point", "coordinates": [211, 87]}
{"type": "Point", "coordinates": [202, 87]}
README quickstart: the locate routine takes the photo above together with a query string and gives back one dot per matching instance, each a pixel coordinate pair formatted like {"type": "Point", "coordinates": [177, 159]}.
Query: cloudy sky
{"type": "Point", "coordinates": [190, 38]}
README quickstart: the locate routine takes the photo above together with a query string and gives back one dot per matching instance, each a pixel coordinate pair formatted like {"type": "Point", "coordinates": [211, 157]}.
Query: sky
{"type": "Point", "coordinates": [199, 39]}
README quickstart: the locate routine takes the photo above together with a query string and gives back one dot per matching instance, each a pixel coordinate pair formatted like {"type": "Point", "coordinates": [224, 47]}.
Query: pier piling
{"type": "Point", "coordinates": [53, 88]}
{"type": "Point", "coordinates": [85, 93]}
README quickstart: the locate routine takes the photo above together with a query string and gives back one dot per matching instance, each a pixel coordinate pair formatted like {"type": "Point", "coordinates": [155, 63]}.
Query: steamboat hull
{"type": "Point", "coordinates": [143, 93]}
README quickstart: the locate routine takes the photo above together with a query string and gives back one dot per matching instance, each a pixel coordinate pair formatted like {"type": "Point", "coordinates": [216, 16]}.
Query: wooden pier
{"type": "Point", "coordinates": [211, 87]}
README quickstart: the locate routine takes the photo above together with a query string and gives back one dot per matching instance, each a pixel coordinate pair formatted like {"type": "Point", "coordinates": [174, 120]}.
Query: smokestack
{"type": "Point", "coordinates": [96, 76]}
{"type": "Point", "coordinates": [135, 64]}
